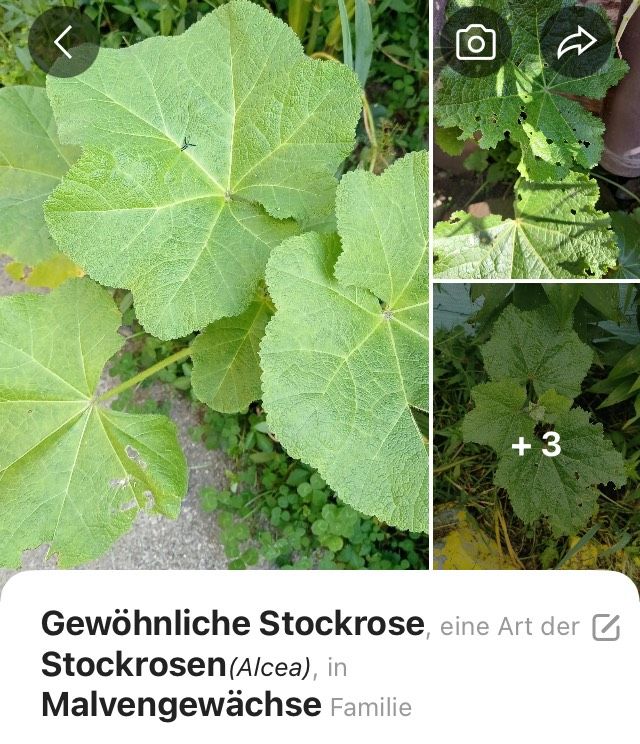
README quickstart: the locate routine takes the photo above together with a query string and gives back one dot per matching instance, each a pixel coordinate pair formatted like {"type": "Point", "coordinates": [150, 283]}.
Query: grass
{"type": "Point", "coordinates": [463, 473]}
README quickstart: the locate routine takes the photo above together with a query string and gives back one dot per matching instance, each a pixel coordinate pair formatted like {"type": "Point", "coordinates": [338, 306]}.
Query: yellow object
{"type": "Point", "coordinates": [50, 273]}
{"type": "Point", "coordinates": [467, 547]}
{"type": "Point", "coordinates": [585, 558]}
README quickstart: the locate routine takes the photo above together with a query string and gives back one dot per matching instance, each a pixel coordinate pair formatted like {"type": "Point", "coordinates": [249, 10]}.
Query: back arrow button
{"type": "Point", "coordinates": [63, 42]}
{"type": "Point", "coordinates": [59, 45]}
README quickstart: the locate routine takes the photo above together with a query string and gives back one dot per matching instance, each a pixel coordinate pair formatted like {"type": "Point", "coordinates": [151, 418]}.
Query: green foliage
{"type": "Point", "coordinates": [360, 61]}
{"type": "Point", "coordinates": [528, 101]}
{"type": "Point", "coordinates": [627, 230]}
{"type": "Point", "coordinates": [280, 511]}
{"type": "Point", "coordinates": [399, 77]}
{"type": "Point", "coordinates": [193, 171]}
{"type": "Point", "coordinates": [74, 473]}
{"type": "Point", "coordinates": [530, 347]}
{"type": "Point", "coordinates": [525, 115]}
{"type": "Point", "coordinates": [556, 232]}
{"type": "Point", "coordinates": [534, 348]}
{"type": "Point", "coordinates": [392, 29]}
{"type": "Point", "coordinates": [465, 471]}
{"type": "Point", "coordinates": [127, 22]}
{"type": "Point", "coordinates": [226, 365]}
{"type": "Point", "coordinates": [32, 162]}
{"type": "Point", "coordinates": [344, 356]}
{"type": "Point", "coordinates": [265, 150]}
{"type": "Point", "coordinates": [622, 382]}
{"type": "Point", "coordinates": [121, 23]}
{"type": "Point", "coordinates": [143, 352]}
{"type": "Point", "coordinates": [16, 66]}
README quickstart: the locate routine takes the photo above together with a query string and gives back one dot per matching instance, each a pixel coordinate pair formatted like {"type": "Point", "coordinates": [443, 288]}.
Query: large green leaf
{"type": "Point", "coordinates": [189, 228]}
{"type": "Point", "coordinates": [561, 488]}
{"type": "Point", "coordinates": [226, 365]}
{"type": "Point", "coordinates": [345, 362]}
{"type": "Point", "coordinates": [534, 346]}
{"type": "Point", "coordinates": [556, 233]}
{"type": "Point", "coordinates": [32, 162]}
{"type": "Point", "coordinates": [528, 100]}
{"type": "Point", "coordinates": [73, 473]}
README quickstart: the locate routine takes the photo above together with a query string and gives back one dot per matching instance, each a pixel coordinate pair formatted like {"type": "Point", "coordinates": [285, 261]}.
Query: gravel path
{"type": "Point", "coordinates": [155, 542]}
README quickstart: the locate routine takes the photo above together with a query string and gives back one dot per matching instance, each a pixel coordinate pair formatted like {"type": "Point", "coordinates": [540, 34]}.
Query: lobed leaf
{"type": "Point", "coordinates": [73, 473]}
{"type": "Point", "coordinates": [497, 420]}
{"type": "Point", "coordinates": [345, 356]}
{"type": "Point", "coordinates": [562, 488]}
{"type": "Point", "coordinates": [382, 222]}
{"type": "Point", "coordinates": [534, 346]}
{"type": "Point", "coordinates": [556, 232]}
{"type": "Point", "coordinates": [200, 154]}
{"type": "Point", "coordinates": [527, 101]}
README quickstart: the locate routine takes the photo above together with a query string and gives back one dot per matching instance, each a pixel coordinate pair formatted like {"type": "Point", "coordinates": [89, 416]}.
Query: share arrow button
{"type": "Point", "coordinates": [580, 42]}
{"type": "Point", "coordinates": [63, 42]}
{"type": "Point", "coordinates": [577, 41]}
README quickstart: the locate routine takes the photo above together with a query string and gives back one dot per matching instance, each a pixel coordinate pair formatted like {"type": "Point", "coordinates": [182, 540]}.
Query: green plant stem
{"type": "Point", "coordinates": [617, 185]}
{"type": "Point", "coordinates": [324, 55]}
{"type": "Point", "coordinates": [318, 7]}
{"type": "Point", "coordinates": [399, 63]}
{"type": "Point", "coordinates": [475, 194]}
{"type": "Point", "coordinates": [141, 376]}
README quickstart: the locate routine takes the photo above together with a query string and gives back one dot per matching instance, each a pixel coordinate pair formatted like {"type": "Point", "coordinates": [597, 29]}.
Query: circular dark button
{"type": "Point", "coordinates": [475, 42]}
{"type": "Point", "coordinates": [576, 42]}
{"type": "Point", "coordinates": [63, 42]}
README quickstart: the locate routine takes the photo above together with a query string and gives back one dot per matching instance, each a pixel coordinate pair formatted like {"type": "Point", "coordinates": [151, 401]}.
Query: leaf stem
{"type": "Point", "coordinates": [315, 26]}
{"type": "Point", "coordinates": [475, 194]}
{"type": "Point", "coordinates": [137, 379]}
{"type": "Point", "coordinates": [617, 185]}
{"type": "Point", "coordinates": [324, 55]}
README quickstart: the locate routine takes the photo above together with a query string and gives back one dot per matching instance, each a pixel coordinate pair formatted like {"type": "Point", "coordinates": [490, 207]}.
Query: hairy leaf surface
{"type": "Point", "coordinates": [226, 363]}
{"type": "Point", "coordinates": [342, 372]}
{"type": "Point", "coordinates": [32, 162]}
{"type": "Point", "coordinates": [556, 233]}
{"type": "Point", "coordinates": [200, 152]}
{"type": "Point", "coordinates": [533, 346]}
{"type": "Point", "coordinates": [497, 420]}
{"type": "Point", "coordinates": [561, 488]}
{"type": "Point", "coordinates": [529, 100]}
{"type": "Point", "coordinates": [382, 222]}
{"type": "Point", "coordinates": [73, 473]}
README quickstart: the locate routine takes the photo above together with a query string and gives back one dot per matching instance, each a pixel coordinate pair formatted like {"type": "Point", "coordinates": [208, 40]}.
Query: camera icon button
{"type": "Point", "coordinates": [476, 43]}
